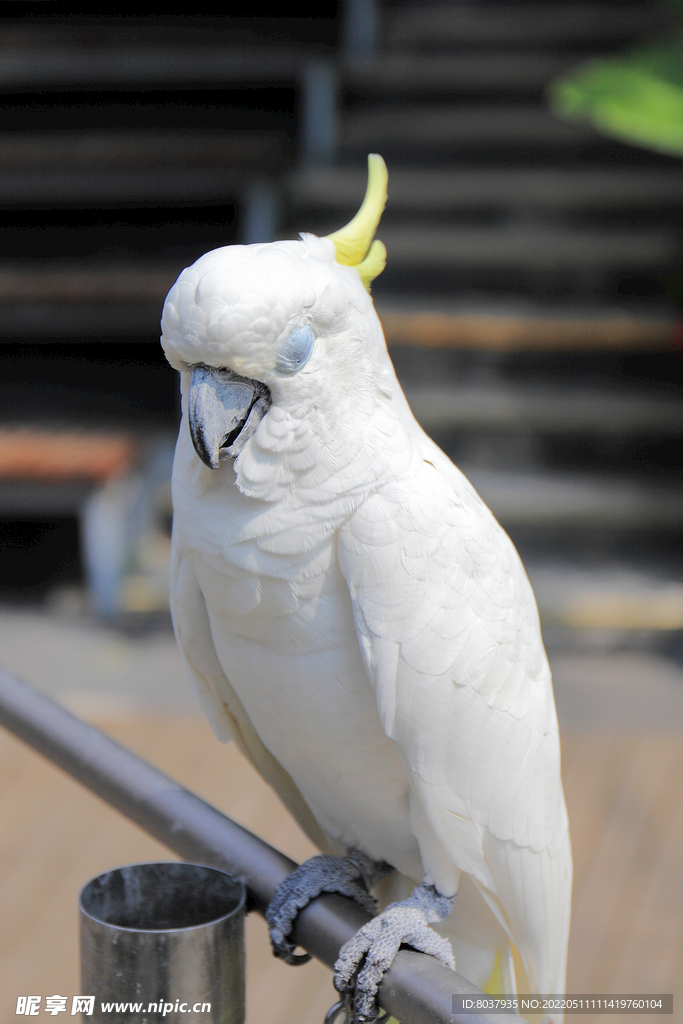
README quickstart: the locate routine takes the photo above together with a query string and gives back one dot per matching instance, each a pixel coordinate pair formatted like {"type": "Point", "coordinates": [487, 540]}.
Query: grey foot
{"type": "Point", "coordinates": [406, 923]}
{"type": "Point", "coordinates": [350, 876]}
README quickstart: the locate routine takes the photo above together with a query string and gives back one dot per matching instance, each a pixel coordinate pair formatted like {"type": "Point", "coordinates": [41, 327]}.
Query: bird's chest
{"type": "Point", "coordinates": [290, 650]}
{"type": "Point", "coordinates": [287, 642]}
{"type": "Point", "coordinates": [294, 610]}
{"type": "Point", "coordinates": [284, 633]}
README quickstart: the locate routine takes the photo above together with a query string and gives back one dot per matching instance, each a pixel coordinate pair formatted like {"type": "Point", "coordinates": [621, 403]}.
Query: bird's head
{"type": "Point", "coordinates": [251, 326]}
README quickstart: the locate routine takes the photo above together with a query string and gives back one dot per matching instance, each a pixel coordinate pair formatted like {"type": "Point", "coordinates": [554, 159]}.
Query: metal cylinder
{"type": "Point", "coordinates": [163, 942]}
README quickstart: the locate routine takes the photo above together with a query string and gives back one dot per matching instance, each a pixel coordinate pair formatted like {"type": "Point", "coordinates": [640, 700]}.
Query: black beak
{"type": "Point", "coordinates": [224, 411]}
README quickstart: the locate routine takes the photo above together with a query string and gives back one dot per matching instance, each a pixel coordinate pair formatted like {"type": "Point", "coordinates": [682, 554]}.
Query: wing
{"type": "Point", "coordinates": [218, 699]}
{"type": "Point", "coordinates": [450, 635]}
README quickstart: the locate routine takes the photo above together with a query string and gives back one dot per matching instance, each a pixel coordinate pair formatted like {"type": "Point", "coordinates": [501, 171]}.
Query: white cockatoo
{"type": "Point", "coordinates": [352, 614]}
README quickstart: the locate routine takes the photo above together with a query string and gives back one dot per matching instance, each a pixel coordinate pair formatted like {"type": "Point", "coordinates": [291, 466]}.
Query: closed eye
{"type": "Point", "coordinates": [295, 351]}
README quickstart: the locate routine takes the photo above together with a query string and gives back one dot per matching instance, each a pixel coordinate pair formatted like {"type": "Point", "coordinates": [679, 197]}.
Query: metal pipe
{"type": "Point", "coordinates": [318, 89]}
{"type": "Point", "coordinates": [360, 29]}
{"type": "Point", "coordinates": [416, 990]}
{"type": "Point", "coordinates": [161, 940]}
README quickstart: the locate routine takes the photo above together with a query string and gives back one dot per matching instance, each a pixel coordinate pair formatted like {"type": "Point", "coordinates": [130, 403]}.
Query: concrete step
{"type": "Point", "coordinates": [39, 168]}
{"type": "Point", "coordinates": [545, 411]}
{"type": "Point", "coordinates": [133, 150]}
{"type": "Point", "coordinates": [45, 321]}
{"type": "Point", "coordinates": [521, 327]}
{"type": "Point", "coordinates": [189, 185]}
{"type": "Point", "coordinates": [52, 471]}
{"type": "Point", "coordinates": [458, 127]}
{"type": "Point", "coordinates": [83, 66]}
{"type": "Point", "coordinates": [527, 248]}
{"type": "Point", "coordinates": [577, 500]}
{"type": "Point", "coordinates": [404, 73]}
{"type": "Point", "coordinates": [606, 597]}
{"type": "Point", "coordinates": [521, 24]}
{"type": "Point", "coordinates": [75, 282]}
{"type": "Point", "coordinates": [463, 189]}
{"type": "Point", "coordinates": [84, 298]}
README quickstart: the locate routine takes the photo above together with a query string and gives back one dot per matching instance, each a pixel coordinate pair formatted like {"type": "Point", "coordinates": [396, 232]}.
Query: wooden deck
{"type": "Point", "coordinates": [625, 796]}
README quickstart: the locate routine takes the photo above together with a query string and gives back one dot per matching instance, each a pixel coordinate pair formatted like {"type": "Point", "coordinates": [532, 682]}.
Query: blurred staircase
{"type": "Point", "coordinates": [535, 267]}
{"type": "Point", "coordinates": [130, 146]}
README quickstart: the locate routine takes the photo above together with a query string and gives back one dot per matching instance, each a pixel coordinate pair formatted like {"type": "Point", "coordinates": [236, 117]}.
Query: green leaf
{"type": "Point", "coordinates": [637, 97]}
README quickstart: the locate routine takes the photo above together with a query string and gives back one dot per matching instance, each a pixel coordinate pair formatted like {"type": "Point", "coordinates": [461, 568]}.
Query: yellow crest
{"type": "Point", "coordinates": [354, 243]}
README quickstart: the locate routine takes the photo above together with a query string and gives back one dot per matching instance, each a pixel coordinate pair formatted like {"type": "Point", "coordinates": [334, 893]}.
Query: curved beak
{"type": "Point", "coordinates": [224, 410]}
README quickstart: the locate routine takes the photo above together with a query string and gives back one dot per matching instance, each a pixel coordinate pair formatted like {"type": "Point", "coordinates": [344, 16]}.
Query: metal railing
{"type": "Point", "coordinates": [416, 990]}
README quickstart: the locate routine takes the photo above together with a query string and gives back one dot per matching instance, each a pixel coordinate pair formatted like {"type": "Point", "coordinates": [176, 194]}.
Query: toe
{"type": "Point", "coordinates": [427, 941]}
{"type": "Point", "coordinates": [352, 953]}
{"type": "Point", "coordinates": [319, 874]}
{"type": "Point", "coordinates": [379, 941]}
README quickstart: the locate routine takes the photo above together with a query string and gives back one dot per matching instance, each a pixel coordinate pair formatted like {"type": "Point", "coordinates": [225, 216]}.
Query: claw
{"type": "Point", "coordinates": [343, 1006]}
{"type": "Point", "coordinates": [378, 941]}
{"type": "Point", "coordinates": [350, 876]}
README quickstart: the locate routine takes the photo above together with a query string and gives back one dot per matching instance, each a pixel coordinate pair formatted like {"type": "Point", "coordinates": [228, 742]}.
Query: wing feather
{"type": "Point", "coordinates": [449, 631]}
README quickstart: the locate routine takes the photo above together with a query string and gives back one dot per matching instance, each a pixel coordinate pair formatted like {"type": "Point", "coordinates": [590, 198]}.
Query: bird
{"type": "Point", "coordinates": [355, 618]}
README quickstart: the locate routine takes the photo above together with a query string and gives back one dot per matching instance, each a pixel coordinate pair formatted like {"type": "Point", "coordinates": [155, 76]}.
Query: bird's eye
{"type": "Point", "coordinates": [295, 351]}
